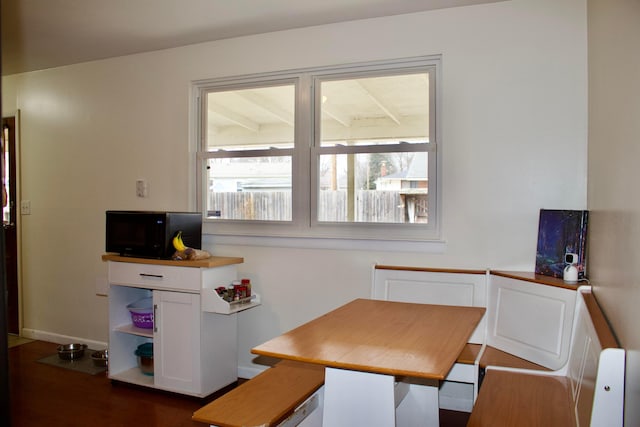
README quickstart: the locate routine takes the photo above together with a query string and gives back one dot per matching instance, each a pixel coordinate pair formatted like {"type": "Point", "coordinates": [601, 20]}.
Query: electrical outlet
{"type": "Point", "coordinates": [25, 207]}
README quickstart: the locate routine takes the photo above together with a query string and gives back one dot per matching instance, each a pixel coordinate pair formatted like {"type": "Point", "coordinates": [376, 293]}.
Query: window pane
{"type": "Point", "coordinates": [375, 110]}
{"type": "Point", "coordinates": [255, 118]}
{"type": "Point", "coordinates": [373, 187]}
{"type": "Point", "coordinates": [249, 188]}
{"type": "Point", "coordinates": [347, 151]}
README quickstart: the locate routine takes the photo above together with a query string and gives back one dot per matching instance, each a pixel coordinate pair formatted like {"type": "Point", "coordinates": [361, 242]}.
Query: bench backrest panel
{"type": "Point", "coordinates": [583, 364]}
{"type": "Point", "coordinates": [531, 321]}
{"type": "Point", "coordinates": [590, 364]}
{"type": "Point", "coordinates": [433, 287]}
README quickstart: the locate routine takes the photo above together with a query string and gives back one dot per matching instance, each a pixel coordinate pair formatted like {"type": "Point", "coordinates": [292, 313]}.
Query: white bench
{"type": "Point", "coordinates": [587, 391]}
{"type": "Point", "coordinates": [513, 334]}
{"type": "Point", "coordinates": [288, 394]}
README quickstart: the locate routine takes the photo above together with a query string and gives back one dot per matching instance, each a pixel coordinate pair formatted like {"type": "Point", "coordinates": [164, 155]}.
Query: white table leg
{"type": "Point", "coordinates": [353, 398]}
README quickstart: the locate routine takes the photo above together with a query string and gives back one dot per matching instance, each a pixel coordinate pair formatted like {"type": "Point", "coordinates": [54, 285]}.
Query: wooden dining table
{"type": "Point", "coordinates": [383, 360]}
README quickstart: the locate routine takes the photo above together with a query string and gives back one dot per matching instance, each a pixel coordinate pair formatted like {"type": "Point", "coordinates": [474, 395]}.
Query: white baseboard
{"type": "Point", "coordinates": [61, 339]}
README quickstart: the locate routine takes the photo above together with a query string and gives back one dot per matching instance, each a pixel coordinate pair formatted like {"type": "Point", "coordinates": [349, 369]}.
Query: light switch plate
{"type": "Point", "coordinates": [142, 188]}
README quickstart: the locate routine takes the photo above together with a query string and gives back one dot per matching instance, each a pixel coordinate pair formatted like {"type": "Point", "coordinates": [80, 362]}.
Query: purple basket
{"type": "Point", "coordinates": [142, 313]}
{"type": "Point", "coordinates": [142, 320]}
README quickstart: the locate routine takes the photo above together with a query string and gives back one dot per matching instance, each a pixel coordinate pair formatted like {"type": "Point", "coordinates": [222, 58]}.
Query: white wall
{"type": "Point", "coordinates": [514, 141]}
{"type": "Point", "coordinates": [614, 152]}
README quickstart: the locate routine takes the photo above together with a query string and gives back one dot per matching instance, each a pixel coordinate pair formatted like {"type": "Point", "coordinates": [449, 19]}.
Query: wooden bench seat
{"type": "Point", "coordinates": [267, 399]}
{"type": "Point", "coordinates": [508, 399]}
{"type": "Point", "coordinates": [494, 357]}
{"type": "Point", "coordinates": [469, 354]}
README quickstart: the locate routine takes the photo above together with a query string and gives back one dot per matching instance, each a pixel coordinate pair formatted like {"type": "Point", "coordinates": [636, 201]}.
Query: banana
{"type": "Point", "coordinates": [178, 244]}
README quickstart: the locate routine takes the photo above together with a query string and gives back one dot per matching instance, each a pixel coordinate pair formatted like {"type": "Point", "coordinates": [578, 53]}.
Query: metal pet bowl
{"type": "Point", "coordinates": [100, 358]}
{"type": "Point", "coordinates": [71, 351]}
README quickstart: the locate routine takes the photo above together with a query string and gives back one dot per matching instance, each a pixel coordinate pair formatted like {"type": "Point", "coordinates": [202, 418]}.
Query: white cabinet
{"type": "Point", "coordinates": [194, 347]}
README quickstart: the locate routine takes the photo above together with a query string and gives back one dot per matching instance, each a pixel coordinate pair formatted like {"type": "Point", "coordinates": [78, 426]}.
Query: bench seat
{"type": "Point", "coordinates": [494, 357]}
{"type": "Point", "coordinates": [265, 400]}
{"type": "Point", "coordinates": [469, 354]}
{"type": "Point", "coordinates": [518, 399]}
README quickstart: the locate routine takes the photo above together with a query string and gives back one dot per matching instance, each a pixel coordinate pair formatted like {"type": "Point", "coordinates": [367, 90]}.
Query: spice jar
{"type": "Point", "coordinates": [247, 284]}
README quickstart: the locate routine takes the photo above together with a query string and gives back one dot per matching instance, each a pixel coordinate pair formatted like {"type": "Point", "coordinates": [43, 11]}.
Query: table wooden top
{"type": "Point", "coordinates": [393, 338]}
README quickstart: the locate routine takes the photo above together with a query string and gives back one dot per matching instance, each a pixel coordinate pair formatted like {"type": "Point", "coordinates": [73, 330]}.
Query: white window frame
{"type": "Point", "coordinates": [304, 225]}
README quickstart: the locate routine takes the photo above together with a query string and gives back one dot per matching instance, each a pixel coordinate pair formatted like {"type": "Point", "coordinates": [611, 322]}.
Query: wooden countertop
{"type": "Point", "coordinates": [214, 261]}
{"type": "Point", "coordinates": [393, 338]}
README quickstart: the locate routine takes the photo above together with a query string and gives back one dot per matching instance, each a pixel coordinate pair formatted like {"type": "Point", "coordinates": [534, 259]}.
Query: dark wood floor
{"type": "Point", "coordinates": [45, 395]}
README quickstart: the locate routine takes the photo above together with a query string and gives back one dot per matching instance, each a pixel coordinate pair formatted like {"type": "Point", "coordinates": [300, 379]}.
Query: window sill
{"type": "Point", "coordinates": [430, 246]}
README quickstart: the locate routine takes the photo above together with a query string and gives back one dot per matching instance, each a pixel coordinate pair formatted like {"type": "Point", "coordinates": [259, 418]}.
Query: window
{"type": "Point", "coordinates": [346, 151]}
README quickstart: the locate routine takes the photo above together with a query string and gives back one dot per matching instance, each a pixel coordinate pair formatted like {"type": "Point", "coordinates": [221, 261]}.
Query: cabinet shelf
{"type": "Point", "coordinates": [133, 376]}
{"type": "Point", "coordinates": [133, 330]}
{"type": "Point", "coordinates": [213, 303]}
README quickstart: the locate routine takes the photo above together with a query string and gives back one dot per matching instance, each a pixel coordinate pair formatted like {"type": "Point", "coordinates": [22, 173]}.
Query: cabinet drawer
{"type": "Point", "coordinates": [155, 276]}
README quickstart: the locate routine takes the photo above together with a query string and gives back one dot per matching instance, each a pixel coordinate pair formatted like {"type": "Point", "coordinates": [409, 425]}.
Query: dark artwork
{"type": "Point", "coordinates": [561, 232]}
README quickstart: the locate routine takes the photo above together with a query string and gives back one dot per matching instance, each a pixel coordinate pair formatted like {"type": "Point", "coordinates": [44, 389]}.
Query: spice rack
{"type": "Point", "coordinates": [214, 303]}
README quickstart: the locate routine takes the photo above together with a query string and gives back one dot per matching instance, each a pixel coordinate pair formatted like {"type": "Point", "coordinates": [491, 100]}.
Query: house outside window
{"type": "Point", "coordinates": [342, 152]}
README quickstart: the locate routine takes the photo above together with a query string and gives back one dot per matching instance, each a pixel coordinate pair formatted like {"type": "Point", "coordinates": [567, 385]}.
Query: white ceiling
{"type": "Point", "coordinates": [39, 34]}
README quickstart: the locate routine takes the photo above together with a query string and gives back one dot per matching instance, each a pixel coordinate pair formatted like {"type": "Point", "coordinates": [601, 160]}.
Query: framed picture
{"type": "Point", "coordinates": [561, 232]}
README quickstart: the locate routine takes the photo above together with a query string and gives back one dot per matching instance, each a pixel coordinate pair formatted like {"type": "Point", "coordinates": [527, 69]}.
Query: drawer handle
{"type": "Point", "coordinates": [157, 276]}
